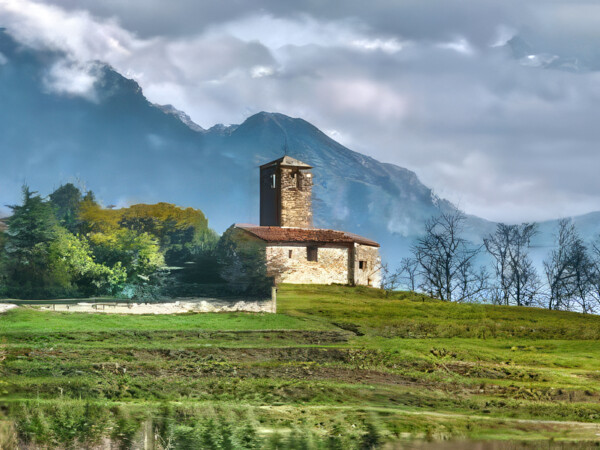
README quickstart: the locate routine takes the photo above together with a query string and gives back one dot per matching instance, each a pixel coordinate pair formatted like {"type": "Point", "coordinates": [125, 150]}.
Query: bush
{"type": "Point", "coordinates": [63, 425]}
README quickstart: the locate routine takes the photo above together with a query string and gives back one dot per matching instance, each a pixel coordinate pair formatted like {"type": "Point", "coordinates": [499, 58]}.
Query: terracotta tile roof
{"type": "Point", "coordinates": [304, 235]}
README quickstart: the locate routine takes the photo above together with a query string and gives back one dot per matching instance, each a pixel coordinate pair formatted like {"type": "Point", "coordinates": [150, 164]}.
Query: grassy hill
{"type": "Point", "coordinates": [337, 367]}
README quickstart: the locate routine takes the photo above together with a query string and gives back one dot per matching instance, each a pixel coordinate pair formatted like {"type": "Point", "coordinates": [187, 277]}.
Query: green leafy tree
{"type": "Point", "coordinates": [182, 233]}
{"type": "Point", "coordinates": [89, 198]}
{"type": "Point", "coordinates": [43, 259]}
{"type": "Point", "coordinates": [3, 274]}
{"type": "Point", "coordinates": [243, 262]}
{"type": "Point", "coordinates": [139, 253]}
{"type": "Point", "coordinates": [66, 201]}
{"type": "Point", "coordinates": [71, 246]}
{"type": "Point", "coordinates": [31, 229]}
{"type": "Point", "coordinates": [31, 226]}
{"type": "Point", "coordinates": [73, 262]}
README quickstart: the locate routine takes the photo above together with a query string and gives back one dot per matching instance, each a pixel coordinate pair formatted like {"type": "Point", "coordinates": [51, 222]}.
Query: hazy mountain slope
{"type": "Point", "coordinates": [128, 150]}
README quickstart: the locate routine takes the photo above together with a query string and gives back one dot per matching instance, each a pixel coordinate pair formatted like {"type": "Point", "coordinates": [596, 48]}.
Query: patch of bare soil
{"type": "Point", "coordinates": [299, 337]}
{"type": "Point", "coordinates": [490, 445]}
{"type": "Point", "coordinates": [545, 394]}
{"type": "Point", "coordinates": [494, 372]}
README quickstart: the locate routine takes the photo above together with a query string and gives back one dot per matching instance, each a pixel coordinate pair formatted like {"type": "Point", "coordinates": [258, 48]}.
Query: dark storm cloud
{"type": "Point", "coordinates": [506, 130]}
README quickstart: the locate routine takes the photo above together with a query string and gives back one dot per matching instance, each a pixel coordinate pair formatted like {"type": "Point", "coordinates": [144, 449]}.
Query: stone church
{"type": "Point", "coordinates": [296, 252]}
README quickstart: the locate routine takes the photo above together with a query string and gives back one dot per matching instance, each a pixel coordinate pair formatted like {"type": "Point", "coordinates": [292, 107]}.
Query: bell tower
{"type": "Point", "coordinates": [286, 193]}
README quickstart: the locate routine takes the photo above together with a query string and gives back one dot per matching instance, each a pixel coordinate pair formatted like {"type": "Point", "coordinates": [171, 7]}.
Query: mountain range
{"type": "Point", "coordinates": [129, 150]}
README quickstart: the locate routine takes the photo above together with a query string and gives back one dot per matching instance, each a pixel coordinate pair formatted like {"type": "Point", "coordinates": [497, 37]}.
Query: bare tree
{"type": "Point", "coordinates": [595, 273]}
{"type": "Point", "coordinates": [516, 277]}
{"type": "Point", "coordinates": [405, 276]}
{"type": "Point", "coordinates": [498, 246]}
{"type": "Point", "coordinates": [390, 280]}
{"type": "Point", "coordinates": [446, 259]}
{"type": "Point", "coordinates": [582, 275]}
{"type": "Point", "coordinates": [556, 267]}
{"type": "Point", "coordinates": [473, 285]}
{"type": "Point", "coordinates": [408, 273]}
{"type": "Point", "coordinates": [570, 272]}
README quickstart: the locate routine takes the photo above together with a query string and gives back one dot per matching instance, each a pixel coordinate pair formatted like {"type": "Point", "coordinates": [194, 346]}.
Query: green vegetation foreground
{"type": "Point", "coordinates": [337, 367]}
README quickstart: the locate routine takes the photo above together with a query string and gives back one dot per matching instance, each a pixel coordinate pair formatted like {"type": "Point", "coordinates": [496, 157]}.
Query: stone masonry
{"type": "Point", "coordinates": [296, 192]}
{"type": "Point", "coordinates": [366, 265]}
{"type": "Point", "coordinates": [289, 264]}
{"type": "Point", "coordinates": [286, 193]}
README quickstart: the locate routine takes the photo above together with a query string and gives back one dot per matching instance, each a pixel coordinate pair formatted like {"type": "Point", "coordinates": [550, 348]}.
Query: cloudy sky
{"type": "Point", "coordinates": [495, 105]}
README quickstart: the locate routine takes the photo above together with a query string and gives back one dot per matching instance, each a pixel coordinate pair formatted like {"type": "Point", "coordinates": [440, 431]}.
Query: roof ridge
{"type": "Point", "coordinates": [287, 160]}
{"type": "Point", "coordinates": [298, 234]}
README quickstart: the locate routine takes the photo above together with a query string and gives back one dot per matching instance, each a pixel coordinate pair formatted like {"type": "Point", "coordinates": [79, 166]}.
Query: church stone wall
{"type": "Point", "coordinates": [370, 272]}
{"type": "Point", "coordinates": [332, 265]}
{"type": "Point", "coordinates": [296, 192]}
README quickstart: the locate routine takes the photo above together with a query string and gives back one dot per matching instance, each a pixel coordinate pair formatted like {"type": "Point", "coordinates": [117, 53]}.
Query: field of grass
{"type": "Point", "coordinates": [337, 367]}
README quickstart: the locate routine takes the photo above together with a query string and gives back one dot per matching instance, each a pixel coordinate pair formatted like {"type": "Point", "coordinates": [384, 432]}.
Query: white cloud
{"type": "Point", "coordinates": [72, 78]}
{"type": "Point", "coordinates": [539, 60]}
{"type": "Point", "coordinates": [364, 96]}
{"type": "Point", "coordinates": [77, 33]}
{"type": "Point", "coordinates": [262, 71]}
{"type": "Point", "coordinates": [276, 32]}
{"type": "Point", "coordinates": [385, 45]}
{"type": "Point", "coordinates": [460, 45]}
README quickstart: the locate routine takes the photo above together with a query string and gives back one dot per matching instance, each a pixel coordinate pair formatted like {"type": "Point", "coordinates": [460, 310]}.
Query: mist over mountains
{"type": "Point", "coordinates": [105, 134]}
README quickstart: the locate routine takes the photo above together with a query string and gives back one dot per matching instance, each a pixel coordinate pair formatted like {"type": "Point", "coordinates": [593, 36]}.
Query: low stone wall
{"type": "Point", "coordinates": [177, 307]}
{"type": "Point", "coordinates": [6, 307]}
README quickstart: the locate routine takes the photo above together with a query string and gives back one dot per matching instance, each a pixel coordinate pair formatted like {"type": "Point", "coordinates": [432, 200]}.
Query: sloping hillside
{"type": "Point", "coordinates": [337, 367]}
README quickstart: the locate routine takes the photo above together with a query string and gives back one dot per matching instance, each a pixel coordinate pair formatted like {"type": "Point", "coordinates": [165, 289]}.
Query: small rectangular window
{"type": "Point", "coordinates": [290, 254]}
{"type": "Point", "coordinates": [312, 253]}
{"type": "Point", "coordinates": [362, 265]}
{"type": "Point", "coordinates": [273, 181]}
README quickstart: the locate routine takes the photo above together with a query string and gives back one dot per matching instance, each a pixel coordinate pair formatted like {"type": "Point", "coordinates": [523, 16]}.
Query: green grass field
{"type": "Point", "coordinates": [337, 367]}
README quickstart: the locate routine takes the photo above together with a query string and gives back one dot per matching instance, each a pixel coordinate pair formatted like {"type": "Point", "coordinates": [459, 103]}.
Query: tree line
{"type": "Point", "coordinates": [446, 265]}
{"type": "Point", "coordinates": [67, 245]}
